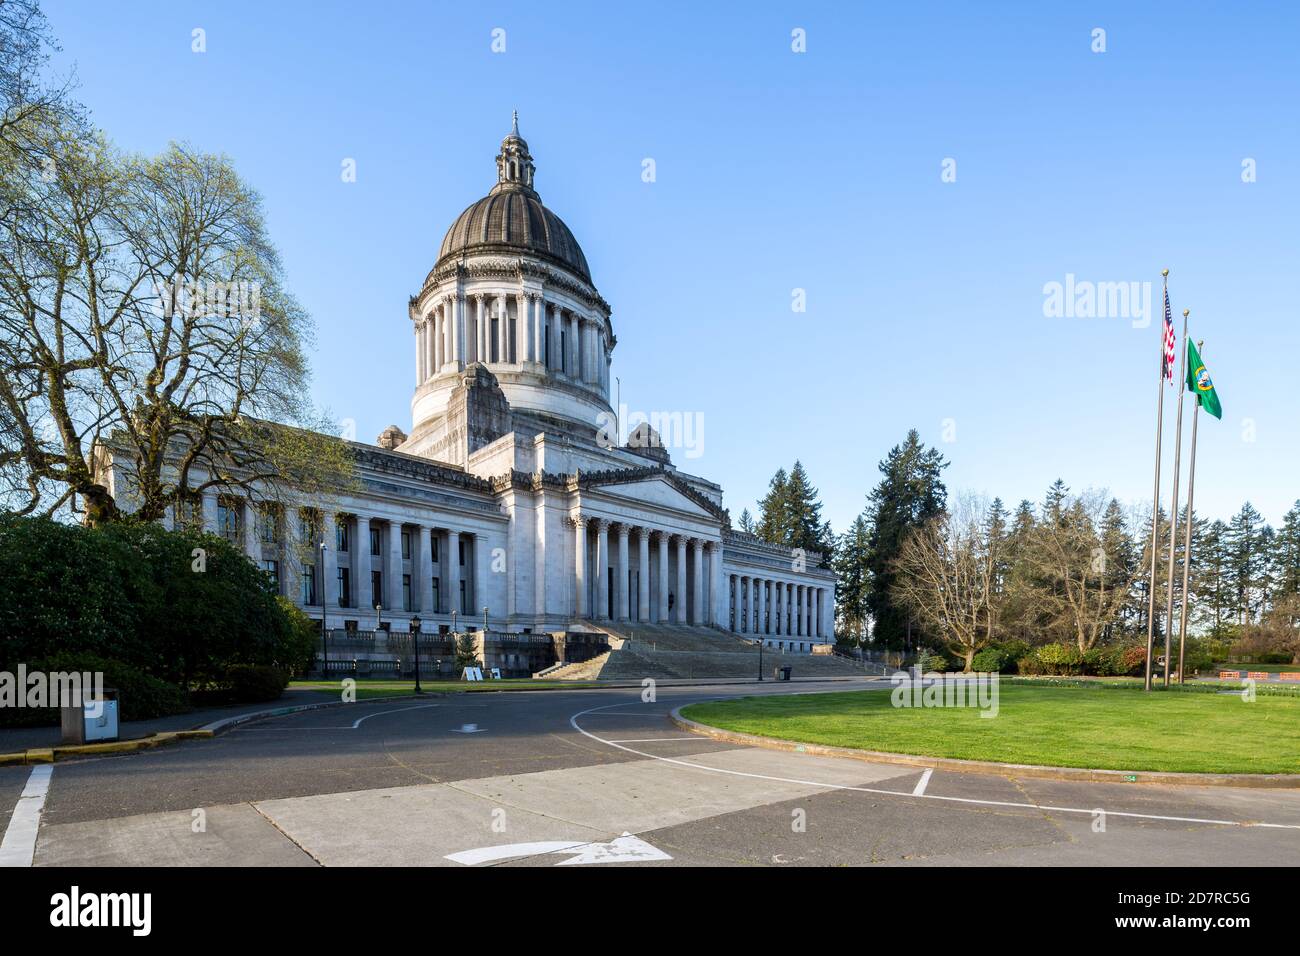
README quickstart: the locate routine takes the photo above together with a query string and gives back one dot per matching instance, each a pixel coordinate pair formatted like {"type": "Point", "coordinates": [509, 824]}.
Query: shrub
{"type": "Point", "coordinates": [1060, 658]}
{"type": "Point", "coordinates": [932, 661]}
{"type": "Point", "coordinates": [1029, 665]}
{"type": "Point", "coordinates": [252, 683]}
{"type": "Point", "coordinates": [142, 697]}
{"type": "Point", "coordinates": [991, 659]}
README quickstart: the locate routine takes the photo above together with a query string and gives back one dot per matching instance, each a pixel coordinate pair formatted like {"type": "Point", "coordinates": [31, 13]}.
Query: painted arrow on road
{"type": "Point", "coordinates": [624, 849]}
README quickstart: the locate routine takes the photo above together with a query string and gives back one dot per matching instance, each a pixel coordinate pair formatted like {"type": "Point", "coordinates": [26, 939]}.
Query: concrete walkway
{"type": "Point", "coordinates": [15, 739]}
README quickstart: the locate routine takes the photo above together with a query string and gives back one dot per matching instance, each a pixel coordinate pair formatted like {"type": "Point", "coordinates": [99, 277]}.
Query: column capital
{"type": "Point", "coordinates": [602, 524]}
{"type": "Point", "coordinates": [624, 529]}
{"type": "Point", "coordinates": [578, 519]}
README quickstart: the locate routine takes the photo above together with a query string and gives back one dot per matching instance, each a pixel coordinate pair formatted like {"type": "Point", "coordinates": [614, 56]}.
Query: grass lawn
{"type": "Point", "coordinates": [1060, 726]}
{"type": "Point", "coordinates": [367, 689]}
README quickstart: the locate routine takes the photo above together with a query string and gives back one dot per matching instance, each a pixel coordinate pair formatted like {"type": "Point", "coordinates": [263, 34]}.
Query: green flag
{"type": "Point", "coordinates": [1198, 382]}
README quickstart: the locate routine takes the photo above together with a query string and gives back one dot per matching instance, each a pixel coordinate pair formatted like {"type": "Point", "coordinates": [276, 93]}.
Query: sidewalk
{"type": "Point", "coordinates": [15, 739]}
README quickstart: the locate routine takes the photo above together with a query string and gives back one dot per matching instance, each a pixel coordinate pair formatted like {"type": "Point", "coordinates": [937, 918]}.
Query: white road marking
{"type": "Point", "coordinates": [360, 720]}
{"type": "Point", "coordinates": [624, 849]}
{"type": "Point", "coordinates": [19, 844]}
{"type": "Point", "coordinates": [469, 729]}
{"type": "Point", "coordinates": [655, 740]}
{"type": "Point", "coordinates": [919, 790]}
{"type": "Point", "coordinates": [573, 722]}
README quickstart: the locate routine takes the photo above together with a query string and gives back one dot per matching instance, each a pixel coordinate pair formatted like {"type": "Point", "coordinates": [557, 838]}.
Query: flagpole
{"type": "Point", "coordinates": [1155, 503]}
{"type": "Point", "coordinates": [1187, 529]}
{"type": "Point", "coordinates": [1173, 516]}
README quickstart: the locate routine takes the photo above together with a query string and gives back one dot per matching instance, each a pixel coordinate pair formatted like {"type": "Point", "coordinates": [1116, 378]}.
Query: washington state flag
{"type": "Point", "coordinates": [1198, 382]}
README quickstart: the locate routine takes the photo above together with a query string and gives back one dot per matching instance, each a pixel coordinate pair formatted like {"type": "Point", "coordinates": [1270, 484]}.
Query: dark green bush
{"type": "Point", "coordinates": [253, 683]}
{"type": "Point", "coordinates": [990, 659]}
{"type": "Point", "coordinates": [141, 696]}
{"type": "Point", "coordinates": [180, 606]}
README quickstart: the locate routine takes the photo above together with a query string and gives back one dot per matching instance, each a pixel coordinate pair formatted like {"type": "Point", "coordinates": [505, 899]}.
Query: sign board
{"type": "Point", "coordinates": [472, 673]}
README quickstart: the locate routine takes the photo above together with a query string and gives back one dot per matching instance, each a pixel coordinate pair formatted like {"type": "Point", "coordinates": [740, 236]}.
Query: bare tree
{"type": "Point", "coordinates": [143, 314]}
{"type": "Point", "coordinates": [1069, 580]}
{"type": "Point", "coordinates": [946, 576]}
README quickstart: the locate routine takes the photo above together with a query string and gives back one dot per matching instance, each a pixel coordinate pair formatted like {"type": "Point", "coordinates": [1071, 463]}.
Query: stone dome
{"type": "Point", "coordinates": [511, 218]}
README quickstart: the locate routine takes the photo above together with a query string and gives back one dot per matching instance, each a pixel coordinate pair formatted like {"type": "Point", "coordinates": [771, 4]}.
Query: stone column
{"type": "Point", "coordinates": [481, 555]}
{"type": "Point", "coordinates": [733, 617]}
{"type": "Point", "coordinates": [431, 345]}
{"type": "Point", "coordinates": [743, 613]}
{"type": "Point", "coordinates": [602, 570]}
{"type": "Point", "coordinates": [716, 610]}
{"type": "Point", "coordinates": [361, 565]}
{"type": "Point", "coordinates": [209, 511]}
{"type": "Point", "coordinates": [622, 599]}
{"type": "Point", "coordinates": [419, 353]}
{"type": "Point", "coordinates": [755, 610]}
{"type": "Point", "coordinates": [328, 561]}
{"type": "Point", "coordinates": [424, 570]}
{"type": "Point", "coordinates": [522, 336]}
{"type": "Point", "coordinates": [539, 330]}
{"type": "Point", "coordinates": [451, 572]}
{"type": "Point", "coordinates": [393, 573]}
{"type": "Point", "coordinates": [580, 566]}
{"type": "Point", "coordinates": [679, 604]}
{"type": "Point", "coordinates": [252, 540]}
{"type": "Point", "coordinates": [643, 575]}
{"type": "Point", "coordinates": [661, 602]}
{"type": "Point", "coordinates": [778, 605]}
{"type": "Point", "coordinates": [699, 616]}
{"type": "Point", "coordinates": [291, 556]}
{"type": "Point", "coordinates": [801, 606]}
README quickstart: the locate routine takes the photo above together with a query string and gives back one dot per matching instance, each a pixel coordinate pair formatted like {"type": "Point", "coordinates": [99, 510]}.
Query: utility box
{"type": "Point", "coordinates": [92, 721]}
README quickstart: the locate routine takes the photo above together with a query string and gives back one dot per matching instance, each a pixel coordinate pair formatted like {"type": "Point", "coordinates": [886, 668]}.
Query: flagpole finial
{"type": "Point", "coordinates": [1165, 273]}
{"type": "Point", "coordinates": [1186, 313]}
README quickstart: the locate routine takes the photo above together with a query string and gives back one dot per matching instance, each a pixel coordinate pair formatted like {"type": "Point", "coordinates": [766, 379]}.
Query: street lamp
{"type": "Point", "coordinates": [324, 640]}
{"type": "Point", "coordinates": [415, 639]}
{"type": "Point", "coordinates": [379, 617]}
{"type": "Point", "coordinates": [760, 658]}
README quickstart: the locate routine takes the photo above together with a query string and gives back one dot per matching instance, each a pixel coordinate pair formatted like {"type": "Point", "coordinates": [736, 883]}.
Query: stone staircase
{"type": "Point", "coordinates": [667, 651]}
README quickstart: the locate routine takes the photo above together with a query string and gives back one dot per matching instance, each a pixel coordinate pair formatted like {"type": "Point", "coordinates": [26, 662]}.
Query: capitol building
{"type": "Point", "coordinates": [507, 497]}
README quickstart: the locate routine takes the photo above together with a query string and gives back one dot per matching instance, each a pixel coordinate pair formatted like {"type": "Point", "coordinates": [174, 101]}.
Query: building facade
{"type": "Point", "coordinates": [508, 500]}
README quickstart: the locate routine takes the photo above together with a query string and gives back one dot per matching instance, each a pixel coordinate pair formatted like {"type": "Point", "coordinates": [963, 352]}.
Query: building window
{"type": "Point", "coordinates": [341, 536]}
{"type": "Point", "coordinates": [406, 592]}
{"type": "Point", "coordinates": [377, 587]}
{"type": "Point", "coordinates": [462, 598]}
{"type": "Point", "coordinates": [406, 545]}
{"type": "Point", "coordinates": [462, 553]}
{"type": "Point", "coordinates": [267, 525]}
{"type": "Point", "coordinates": [228, 521]}
{"type": "Point", "coordinates": [308, 584]}
{"type": "Point", "coordinates": [345, 588]}
{"type": "Point", "coordinates": [374, 542]}
{"type": "Point", "coordinates": [437, 598]}
{"type": "Point", "coordinates": [272, 570]}
{"type": "Point", "coordinates": [350, 627]}
{"type": "Point", "coordinates": [434, 550]}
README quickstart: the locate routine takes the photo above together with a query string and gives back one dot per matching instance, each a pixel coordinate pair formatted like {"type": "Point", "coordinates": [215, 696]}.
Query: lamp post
{"type": "Point", "coordinates": [485, 619]}
{"type": "Point", "coordinates": [379, 618]}
{"type": "Point", "coordinates": [415, 639]}
{"type": "Point", "coordinates": [760, 658]}
{"type": "Point", "coordinates": [324, 640]}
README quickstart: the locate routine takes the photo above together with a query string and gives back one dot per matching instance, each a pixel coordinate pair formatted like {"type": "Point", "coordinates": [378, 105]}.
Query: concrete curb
{"type": "Point", "coordinates": [38, 755]}
{"type": "Point", "coordinates": [1248, 780]}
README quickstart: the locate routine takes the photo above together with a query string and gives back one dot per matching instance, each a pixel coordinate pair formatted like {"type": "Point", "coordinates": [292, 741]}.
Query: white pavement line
{"type": "Point", "coordinates": [655, 740]}
{"type": "Point", "coordinates": [490, 854]}
{"type": "Point", "coordinates": [360, 720]}
{"type": "Point", "coordinates": [573, 722]}
{"type": "Point", "coordinates": [19, 844]}
{"type": "Point", "coordinates": [919, 790]}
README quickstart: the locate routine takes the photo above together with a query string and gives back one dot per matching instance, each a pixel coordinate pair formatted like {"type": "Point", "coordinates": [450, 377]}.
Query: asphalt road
{"type": "Point", "coordinates": [562, 777]}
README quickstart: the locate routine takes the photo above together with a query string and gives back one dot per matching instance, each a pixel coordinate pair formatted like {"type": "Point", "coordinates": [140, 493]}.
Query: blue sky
{"type": "Point", "coordinates": [775, 171]}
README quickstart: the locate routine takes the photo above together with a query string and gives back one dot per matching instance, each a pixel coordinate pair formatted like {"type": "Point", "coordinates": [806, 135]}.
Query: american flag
{"type": "Point", "coordinates": [1170, 338]}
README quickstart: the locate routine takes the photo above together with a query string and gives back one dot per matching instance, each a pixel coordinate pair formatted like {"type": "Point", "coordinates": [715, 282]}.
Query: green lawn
{"type": "Point", "coordinates": [367, 689]}
{"type": "Point", "coordinates": [1060, 726]}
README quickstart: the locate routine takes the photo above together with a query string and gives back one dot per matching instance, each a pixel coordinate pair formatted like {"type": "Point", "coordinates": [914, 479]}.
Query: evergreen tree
{"type": "Point", "coordinates": [803, 514]}
{"type": "Point", "coordinates": [1286, 556]}
{"type": "Point", "coordinates": [747, 522]}
{"type": "Point", "coordinates": [853, 575]}
{"type": "Point", "coordinates": [773, 518]}
{"type": "Point", "coordinates": [1055, 500]}
{"type": "Point", "coordinates": [1214, 560]}
{"type": "Point", "coordinates": [1248, 568]}
{"type": "Point", "coordinates": [909, 494]}
{"type": "Point", "coordinates": [1120, 558]}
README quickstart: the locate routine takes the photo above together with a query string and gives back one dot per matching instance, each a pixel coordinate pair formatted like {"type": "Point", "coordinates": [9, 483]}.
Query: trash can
{"type": "Point", "coordinates": [91, 721]}
{"type": "Point", "coordinates": [782, 673]}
